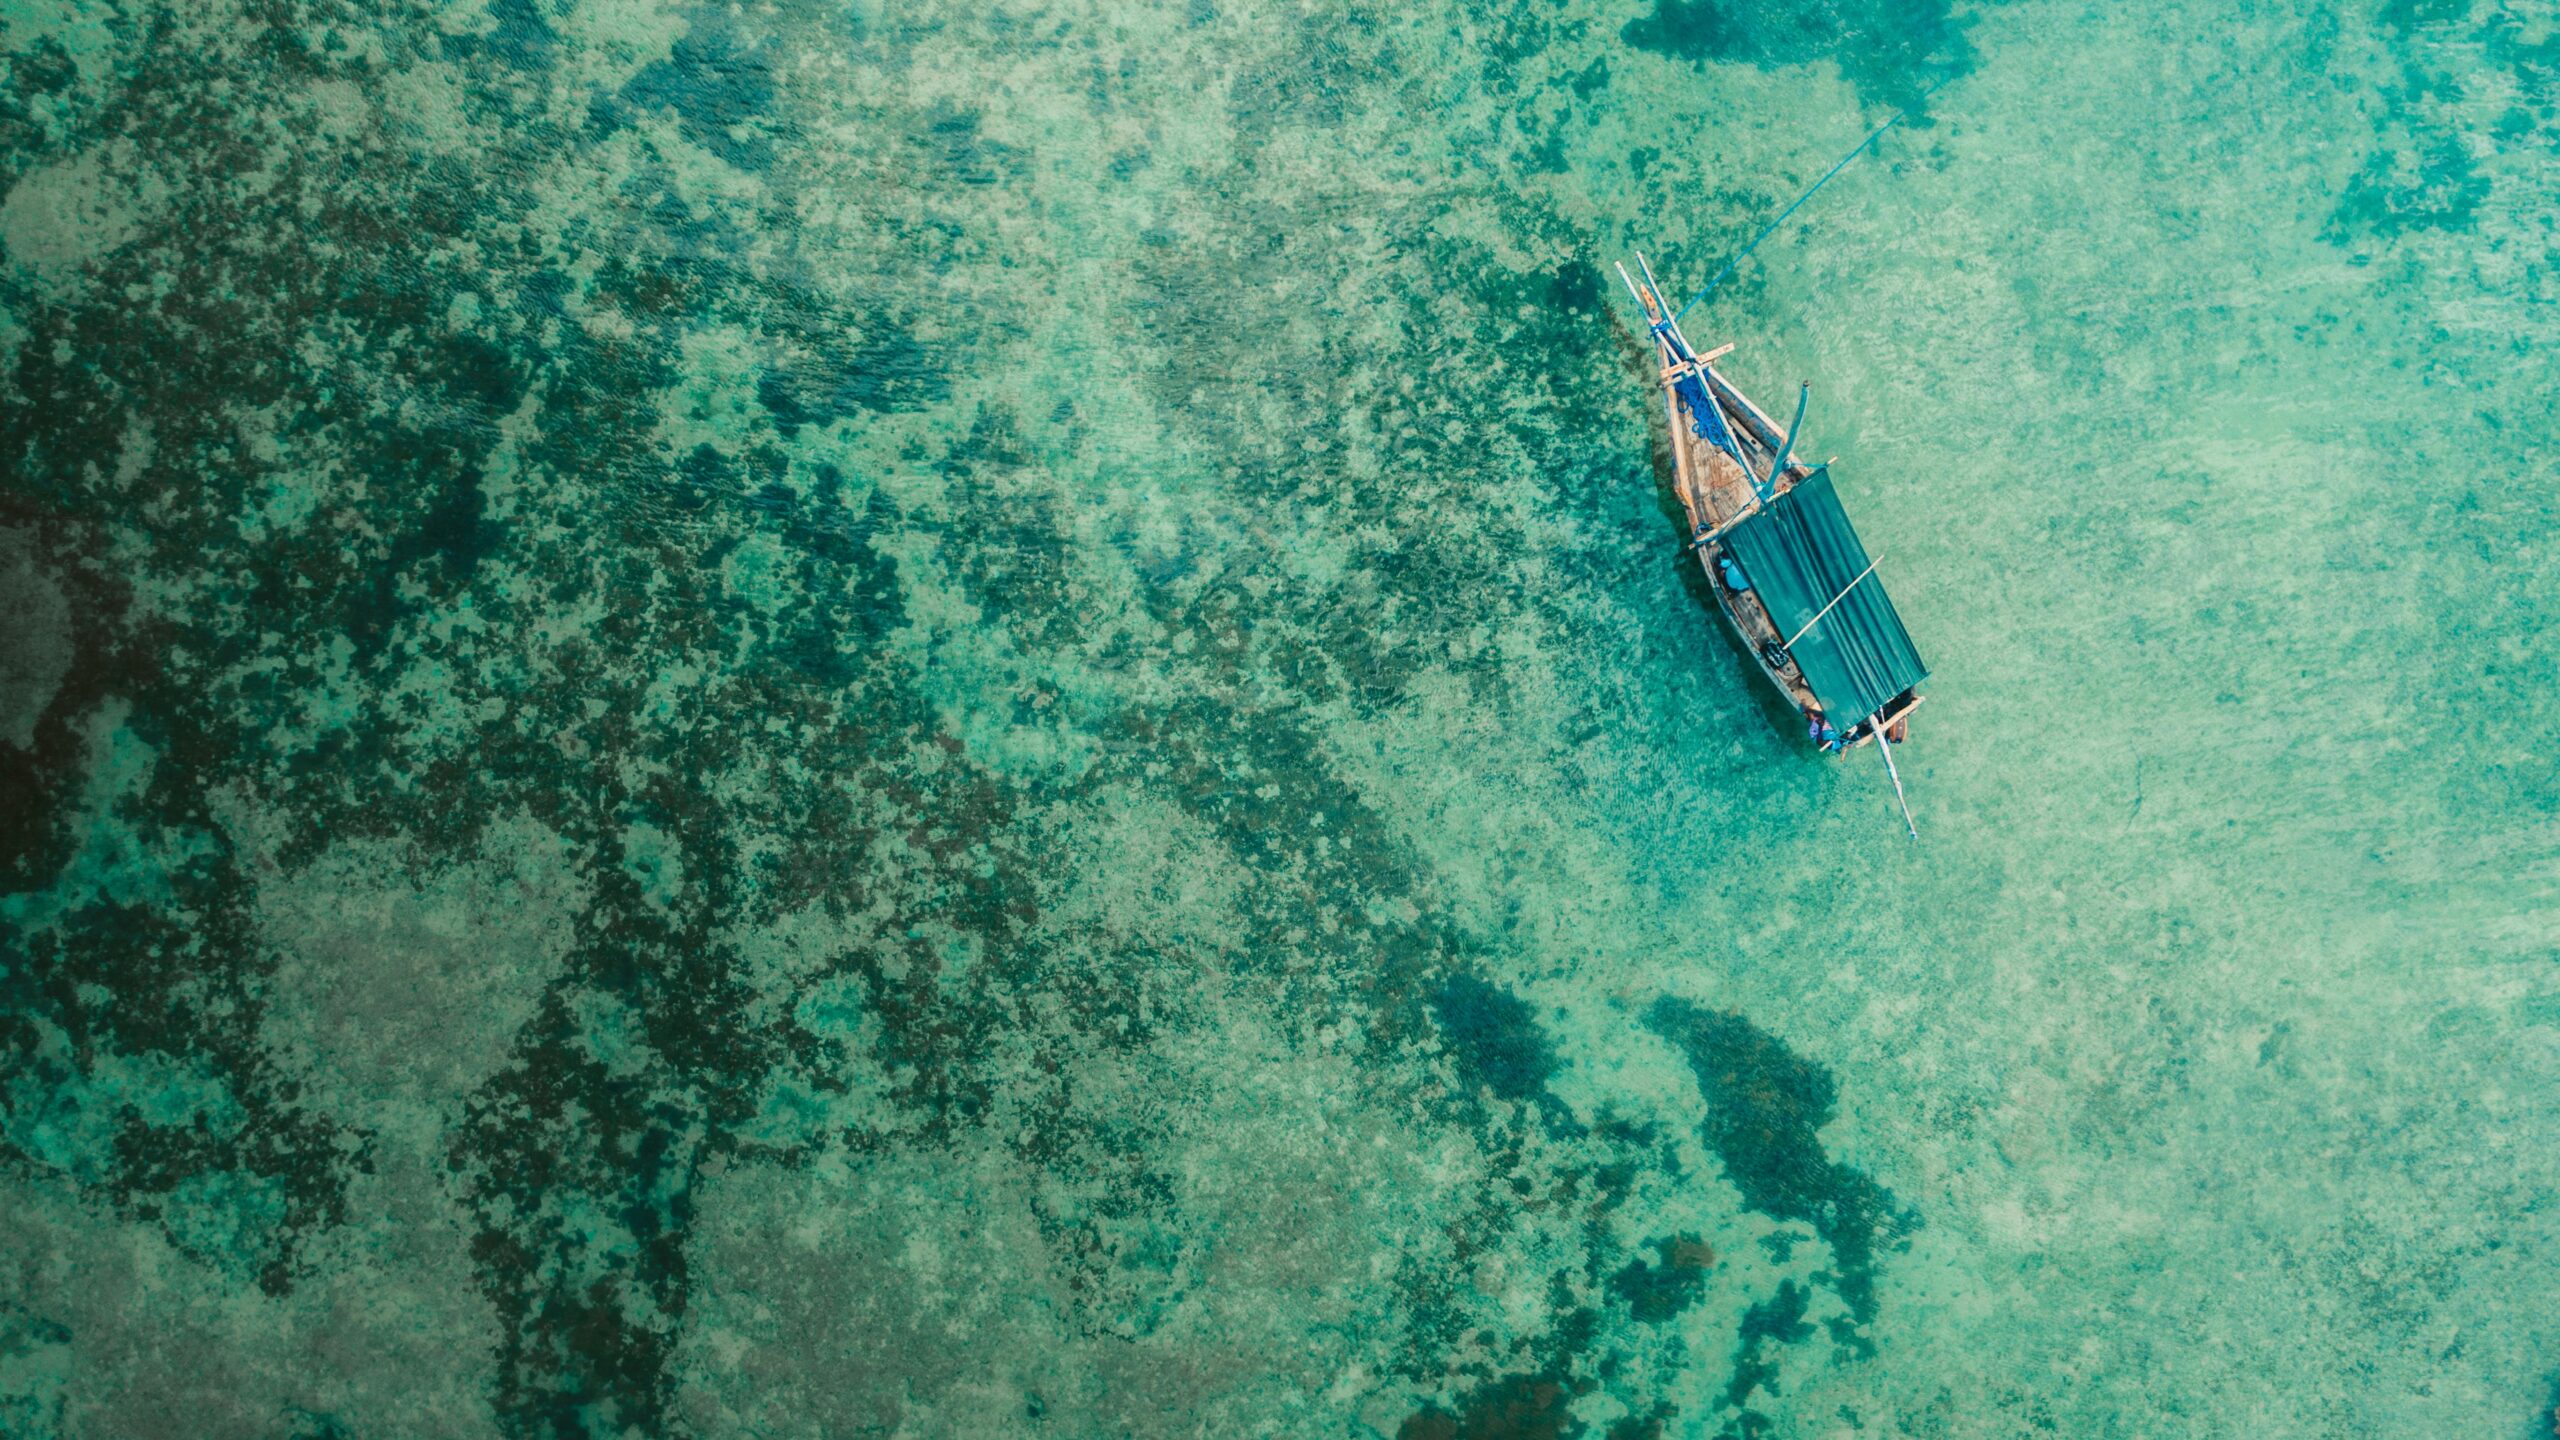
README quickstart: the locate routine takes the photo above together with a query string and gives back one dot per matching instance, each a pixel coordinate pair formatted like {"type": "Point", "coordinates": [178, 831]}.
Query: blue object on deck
{"type": "Point", "coordinates": [1706, 418]}
{"type": "Point", "coordinates": [1734, 579]}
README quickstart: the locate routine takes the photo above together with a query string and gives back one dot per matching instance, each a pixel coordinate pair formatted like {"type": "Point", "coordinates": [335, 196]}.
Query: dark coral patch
{"type": "Point", "coordinates": [41, 70]}
{"type": "Point", "coordinates": [520, 38]}
{"type": "Point", "coordinates": [2433, 185]}
{"type": "Point", "coordinates": [1766, 1106]}
{"type": "Point", "coordinates": [714, 81]}
{"type": "Point", "coordinates": [1515, 1407]}
{"type": "Point", "coordinates": [1494, 1036]}
{"type": "Point", "coordinates": [1887, 48]}
{"type": "Point", "coordinates": [1658, 1289]}
{"type": "Point", "coordinates": [850, 367]}
{"type": "Point", "coordinates": [1778, 1320]}
{"type": "Point", "coordinates": [956, 140]}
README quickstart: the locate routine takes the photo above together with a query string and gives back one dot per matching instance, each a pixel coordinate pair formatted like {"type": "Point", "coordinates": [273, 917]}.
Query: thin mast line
{"type": "Point", "coordinates": [1872, 136]}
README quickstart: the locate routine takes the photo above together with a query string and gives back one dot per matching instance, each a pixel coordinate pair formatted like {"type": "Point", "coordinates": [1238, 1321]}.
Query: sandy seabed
{"type": "Point", "coordinates": [801, 720]}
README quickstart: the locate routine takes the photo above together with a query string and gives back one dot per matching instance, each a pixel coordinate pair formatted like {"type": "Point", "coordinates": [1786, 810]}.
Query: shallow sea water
{"type": "Point", "coordinates": [814, 720]}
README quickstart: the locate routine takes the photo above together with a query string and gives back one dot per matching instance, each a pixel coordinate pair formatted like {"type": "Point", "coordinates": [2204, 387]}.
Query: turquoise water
{"type": "Point", "coordinates": [819, 720]}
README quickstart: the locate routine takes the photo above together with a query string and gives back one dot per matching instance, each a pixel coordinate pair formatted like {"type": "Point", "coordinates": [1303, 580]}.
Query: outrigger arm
{"type": "Point", "coordinates": [1769, 487]}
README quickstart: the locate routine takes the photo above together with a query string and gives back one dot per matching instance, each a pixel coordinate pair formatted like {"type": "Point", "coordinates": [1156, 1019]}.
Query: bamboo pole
{"type": "Point", "coordinates": [1836, 599]}
{"type": "Point", "coordinates": [1641, 303]}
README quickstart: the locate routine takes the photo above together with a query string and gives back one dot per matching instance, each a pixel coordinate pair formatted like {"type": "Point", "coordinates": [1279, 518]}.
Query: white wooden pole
{"type": "Point", "coordinates": [1884, 744]}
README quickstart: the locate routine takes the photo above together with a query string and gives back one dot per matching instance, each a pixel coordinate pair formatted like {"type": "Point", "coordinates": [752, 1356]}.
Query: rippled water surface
{"type": "Point", "coordinates": [799, 719]}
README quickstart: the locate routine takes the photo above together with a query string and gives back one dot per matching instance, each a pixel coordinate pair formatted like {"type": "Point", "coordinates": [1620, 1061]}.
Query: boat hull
{"type": "Point", "coordinates": [1717, 493]}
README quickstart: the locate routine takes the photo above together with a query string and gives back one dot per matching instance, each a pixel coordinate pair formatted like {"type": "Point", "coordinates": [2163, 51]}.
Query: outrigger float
{"type": "Point", "coordinates": [1780, 555]}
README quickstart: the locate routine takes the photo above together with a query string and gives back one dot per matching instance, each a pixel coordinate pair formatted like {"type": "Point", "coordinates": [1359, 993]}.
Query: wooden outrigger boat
{"type": "Point", "coordinates": [1786, 567]}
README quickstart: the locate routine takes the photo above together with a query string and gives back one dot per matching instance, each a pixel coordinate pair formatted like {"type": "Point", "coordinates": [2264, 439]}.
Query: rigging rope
{"type": "Point", "coordinates": [1862, 145]}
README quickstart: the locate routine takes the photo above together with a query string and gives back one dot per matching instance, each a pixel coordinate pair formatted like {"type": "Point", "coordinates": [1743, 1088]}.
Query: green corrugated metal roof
{"type": "Point", "coordinates": [1800, 554]}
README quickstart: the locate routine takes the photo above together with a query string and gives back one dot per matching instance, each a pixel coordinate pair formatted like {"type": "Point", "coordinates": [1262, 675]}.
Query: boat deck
{"type": "Point", "coordinates": [1714, 488]}
{"type": "Point", "coordinates": [1715, 492]}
